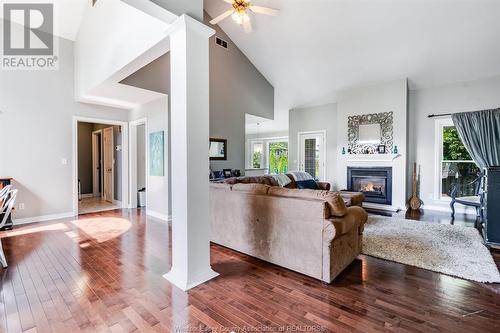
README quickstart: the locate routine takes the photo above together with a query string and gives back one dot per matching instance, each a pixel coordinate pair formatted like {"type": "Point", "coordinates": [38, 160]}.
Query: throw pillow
{"type": "Point", "coordinates": [282, 180]}
{"type": "Point", "coordinates": [309, 184]}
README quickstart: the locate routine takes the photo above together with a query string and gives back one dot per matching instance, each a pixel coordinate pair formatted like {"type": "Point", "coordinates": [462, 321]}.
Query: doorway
{"type": "Point", "coordinates": [312, 153]}
{"type": "Point", "coordinates": [138, 163]}
{"type": "Point", "coordinates": [99, 166]}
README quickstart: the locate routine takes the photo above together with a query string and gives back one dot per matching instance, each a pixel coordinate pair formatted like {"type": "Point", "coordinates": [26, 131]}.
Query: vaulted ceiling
{"type": "Point", "coordinates": [317, 47]}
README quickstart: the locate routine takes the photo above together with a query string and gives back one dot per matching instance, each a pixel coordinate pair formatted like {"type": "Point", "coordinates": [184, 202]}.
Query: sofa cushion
{"type": "Point", "coordinates": [307, 184]}
{"type": "Point", "coordinates": [251, 188]}
{"type": "Point", "coordinates": [334, 201]}
{"type": "Point", "coordinates": [353, 198]}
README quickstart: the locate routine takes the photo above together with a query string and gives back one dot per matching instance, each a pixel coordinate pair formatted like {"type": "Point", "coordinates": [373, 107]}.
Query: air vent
{"type": "Point", "coordinates": [221, 42]}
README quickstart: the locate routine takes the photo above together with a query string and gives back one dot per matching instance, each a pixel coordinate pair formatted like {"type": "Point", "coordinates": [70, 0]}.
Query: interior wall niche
{"type": "Point", "coordinates": [367, 132]}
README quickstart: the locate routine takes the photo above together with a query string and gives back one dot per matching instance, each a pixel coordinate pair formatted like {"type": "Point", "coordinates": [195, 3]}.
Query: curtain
{"type": "Point", "coordinates": [480, 133]}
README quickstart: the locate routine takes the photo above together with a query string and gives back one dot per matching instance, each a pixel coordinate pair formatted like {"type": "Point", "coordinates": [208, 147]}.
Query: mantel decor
{"type": "Point", "coordinates": [377, 130]}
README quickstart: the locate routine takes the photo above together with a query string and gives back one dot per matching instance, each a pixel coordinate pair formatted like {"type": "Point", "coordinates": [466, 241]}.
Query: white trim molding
{"type": "Point", "coordinates": [125, 147]}
{"type": "Point", "coordinates": [43, 218]}
{"type": "Point", "coordinates": [159, 216]}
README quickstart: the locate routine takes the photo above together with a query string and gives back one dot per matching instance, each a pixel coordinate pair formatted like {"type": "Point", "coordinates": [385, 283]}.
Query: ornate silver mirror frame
{"type": "Point", "coordinates": [385, 119]}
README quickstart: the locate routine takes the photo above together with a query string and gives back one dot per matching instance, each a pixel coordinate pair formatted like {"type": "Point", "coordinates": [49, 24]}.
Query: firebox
{"type": "Point", "coordinates": [374, 182]}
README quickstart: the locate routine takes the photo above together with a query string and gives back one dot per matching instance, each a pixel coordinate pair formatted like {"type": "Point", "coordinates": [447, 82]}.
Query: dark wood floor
{"type": "Point", "coordinates": [103, 273]}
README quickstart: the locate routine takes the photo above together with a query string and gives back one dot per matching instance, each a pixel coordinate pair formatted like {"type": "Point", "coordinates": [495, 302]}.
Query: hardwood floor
{"type": "Point", "coordinates": [103, 273]}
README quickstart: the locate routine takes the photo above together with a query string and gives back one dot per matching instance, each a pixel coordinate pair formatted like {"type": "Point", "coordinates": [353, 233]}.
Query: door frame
{"type": "Point", "coordinates": [323, 151]}
{"type": "Point", "coordinates": [105, 131]}
{"type": "Point", "coordinates": [125, 148]}
{"type": "Point", "coordinates": [133, 160]}
{"type": "Point", "coordinates": [96, 189]}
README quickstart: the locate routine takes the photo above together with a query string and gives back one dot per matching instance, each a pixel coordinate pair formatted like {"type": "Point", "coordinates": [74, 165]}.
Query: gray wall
{"type": "Point", "coordinates": [85, 157]}
{"type": "Point", "coordinates": [236, 88]}
{"type": "Point", "coordinates": [314, 119]}
{"type": "Point", "coordinates": [460, 97]}
{"type": "Point", "coordinates": [42, 105]}
{"type": "Point", "coordinates": [193, 8]}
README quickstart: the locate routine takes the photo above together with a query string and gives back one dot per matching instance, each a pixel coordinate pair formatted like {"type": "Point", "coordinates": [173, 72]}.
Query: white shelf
{"type": "Point", "coordinates": [370, 157]}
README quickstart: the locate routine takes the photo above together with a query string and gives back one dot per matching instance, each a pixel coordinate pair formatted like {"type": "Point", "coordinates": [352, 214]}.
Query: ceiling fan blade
{"type": "Point", "coordinates": [229, 1]}
{"type": "Point", "coordinates": [222, 16]}
{"type": "Point", "coordinates": [264, 10]}
{"type": "Point", "coordinates": [247, 26]}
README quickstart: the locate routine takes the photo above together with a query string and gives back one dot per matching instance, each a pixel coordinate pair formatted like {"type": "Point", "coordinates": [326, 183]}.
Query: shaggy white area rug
{"type": "Point", "coordinates": [442, 248]}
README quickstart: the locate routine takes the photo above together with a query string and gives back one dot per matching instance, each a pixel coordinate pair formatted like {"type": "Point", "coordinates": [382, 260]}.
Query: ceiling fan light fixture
{"type": "Point", "coordinates": [240, 18]}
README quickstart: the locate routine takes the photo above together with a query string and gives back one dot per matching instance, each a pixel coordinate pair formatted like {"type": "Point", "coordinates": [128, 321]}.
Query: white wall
{"type": "Point", "coordinates": [459, 97]}
{"type": "Point", "coordinates": [384, 97]}
{"type": "Point", "coordinates": [315, 119]}
{"type": "Point", "coordinates": [333, 118]}
{"type": "Point", "coordinates": [157, 191]}
{"type": "Point", "coordinates": [36, 127]}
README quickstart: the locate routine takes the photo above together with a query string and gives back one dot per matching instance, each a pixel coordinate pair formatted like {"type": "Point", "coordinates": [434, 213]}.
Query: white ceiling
{"type": "Point", "coordinates": [68, 15]}
{"type": "Point", "coordinates": [315, 48]}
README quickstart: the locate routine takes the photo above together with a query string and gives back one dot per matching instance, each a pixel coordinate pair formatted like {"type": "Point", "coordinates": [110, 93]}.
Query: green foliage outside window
{"type": "Point", "coordinates": [278, 157]}
{"type": "Point", "coordinates": [462, 173]}
{"type": "Point", "coordinates": [453, 148]}
{"type": "Point", "coordinates": [256, 158]}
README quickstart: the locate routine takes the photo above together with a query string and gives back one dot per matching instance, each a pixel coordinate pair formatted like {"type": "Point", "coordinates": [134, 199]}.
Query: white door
{"type": "Point", "coordinates": [312, 154]}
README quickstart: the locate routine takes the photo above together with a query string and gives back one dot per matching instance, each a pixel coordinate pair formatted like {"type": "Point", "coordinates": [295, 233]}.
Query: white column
{"type": "Point", "coordinates": [189, 57]}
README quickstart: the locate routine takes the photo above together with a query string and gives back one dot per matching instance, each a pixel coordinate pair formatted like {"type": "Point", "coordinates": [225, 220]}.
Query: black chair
{"type": "Point", "coordinates": [475, 200]}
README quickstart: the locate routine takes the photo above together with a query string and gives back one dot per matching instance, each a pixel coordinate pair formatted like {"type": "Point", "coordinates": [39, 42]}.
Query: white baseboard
{"type": "Point", "coordinates": [118, 203]}
{"type": "Point", "coordinates": [43, 218]}
{"type": "Point", "coordinates": [160, 216]}
{"type": "Point", "coordinates": [87, 195]}
{"type": "Point", "coordinates": [381, 207]}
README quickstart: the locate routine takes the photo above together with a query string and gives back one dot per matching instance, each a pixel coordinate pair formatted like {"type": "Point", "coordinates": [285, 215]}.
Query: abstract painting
{"type": "Point", "coordinates": [157, 154]}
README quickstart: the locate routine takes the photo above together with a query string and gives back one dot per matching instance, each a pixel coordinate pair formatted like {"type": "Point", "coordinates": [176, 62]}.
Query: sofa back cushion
{"type": "Point", "coordinates": [334, 201]}
{"type": "Point", "coordinates": [260, 189]}
{"type": "Point", "coordinates": [265, 180]}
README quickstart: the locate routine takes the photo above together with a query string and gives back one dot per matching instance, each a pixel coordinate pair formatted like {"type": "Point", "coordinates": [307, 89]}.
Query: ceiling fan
{"type": "Point", "coordinates": [239, 13]}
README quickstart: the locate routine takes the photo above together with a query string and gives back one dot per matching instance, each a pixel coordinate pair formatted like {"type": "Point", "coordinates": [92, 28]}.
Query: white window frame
{"type": "Point", "coordinates": [272, 140]}
{"type": "Point", "coordinates": [323, 165]}
{"type": "Point", "coordinates": [250, 153]}
{"type": "Point", "coordinates": [438, 149]}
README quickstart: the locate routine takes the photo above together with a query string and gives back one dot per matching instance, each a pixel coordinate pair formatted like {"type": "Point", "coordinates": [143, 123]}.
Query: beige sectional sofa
{"type": "Point", "coordinates": [308, 231]}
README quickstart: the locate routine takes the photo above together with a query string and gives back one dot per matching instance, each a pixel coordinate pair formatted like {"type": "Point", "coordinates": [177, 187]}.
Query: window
{"type": "Point", "coordinates": [256, 160]}
{"type": "Point", "coordinates": [278, 157]}
{"type": "Point", "coordinates": [455, 163]}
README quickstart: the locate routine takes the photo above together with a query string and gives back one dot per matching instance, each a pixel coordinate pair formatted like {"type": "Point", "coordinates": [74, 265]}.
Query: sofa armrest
{"type": "Point", "coordinates": [324, 186]}
{"type": "Point", "coordinates": [356, 217]}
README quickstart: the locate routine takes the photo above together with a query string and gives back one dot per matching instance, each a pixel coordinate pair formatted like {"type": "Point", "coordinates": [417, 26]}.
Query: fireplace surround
{"type": "Point", "coordinates": [374, 182]}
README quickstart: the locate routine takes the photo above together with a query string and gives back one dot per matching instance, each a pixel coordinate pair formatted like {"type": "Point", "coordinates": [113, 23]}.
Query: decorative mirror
{"type": "Point", "coordinates": [367, 132]}
{"type": "Point", "coordinates": [218, 149]}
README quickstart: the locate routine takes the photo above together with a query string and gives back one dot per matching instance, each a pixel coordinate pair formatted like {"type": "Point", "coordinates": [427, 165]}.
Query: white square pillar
{"type": "Point", "coordinates": [189, 94]}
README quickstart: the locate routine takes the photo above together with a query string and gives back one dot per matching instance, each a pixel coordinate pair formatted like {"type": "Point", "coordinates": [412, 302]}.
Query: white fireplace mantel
{"type": "Point", "coordinates": [370, 157]}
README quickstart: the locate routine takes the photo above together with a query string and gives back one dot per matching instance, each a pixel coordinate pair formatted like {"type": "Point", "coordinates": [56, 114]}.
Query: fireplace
{"type": "Point", "coordinates": [374, 182]}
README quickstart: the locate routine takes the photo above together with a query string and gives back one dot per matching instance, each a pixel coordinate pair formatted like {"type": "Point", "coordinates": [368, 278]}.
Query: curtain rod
{"type": "Point", "coordinates": [439, 115]}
